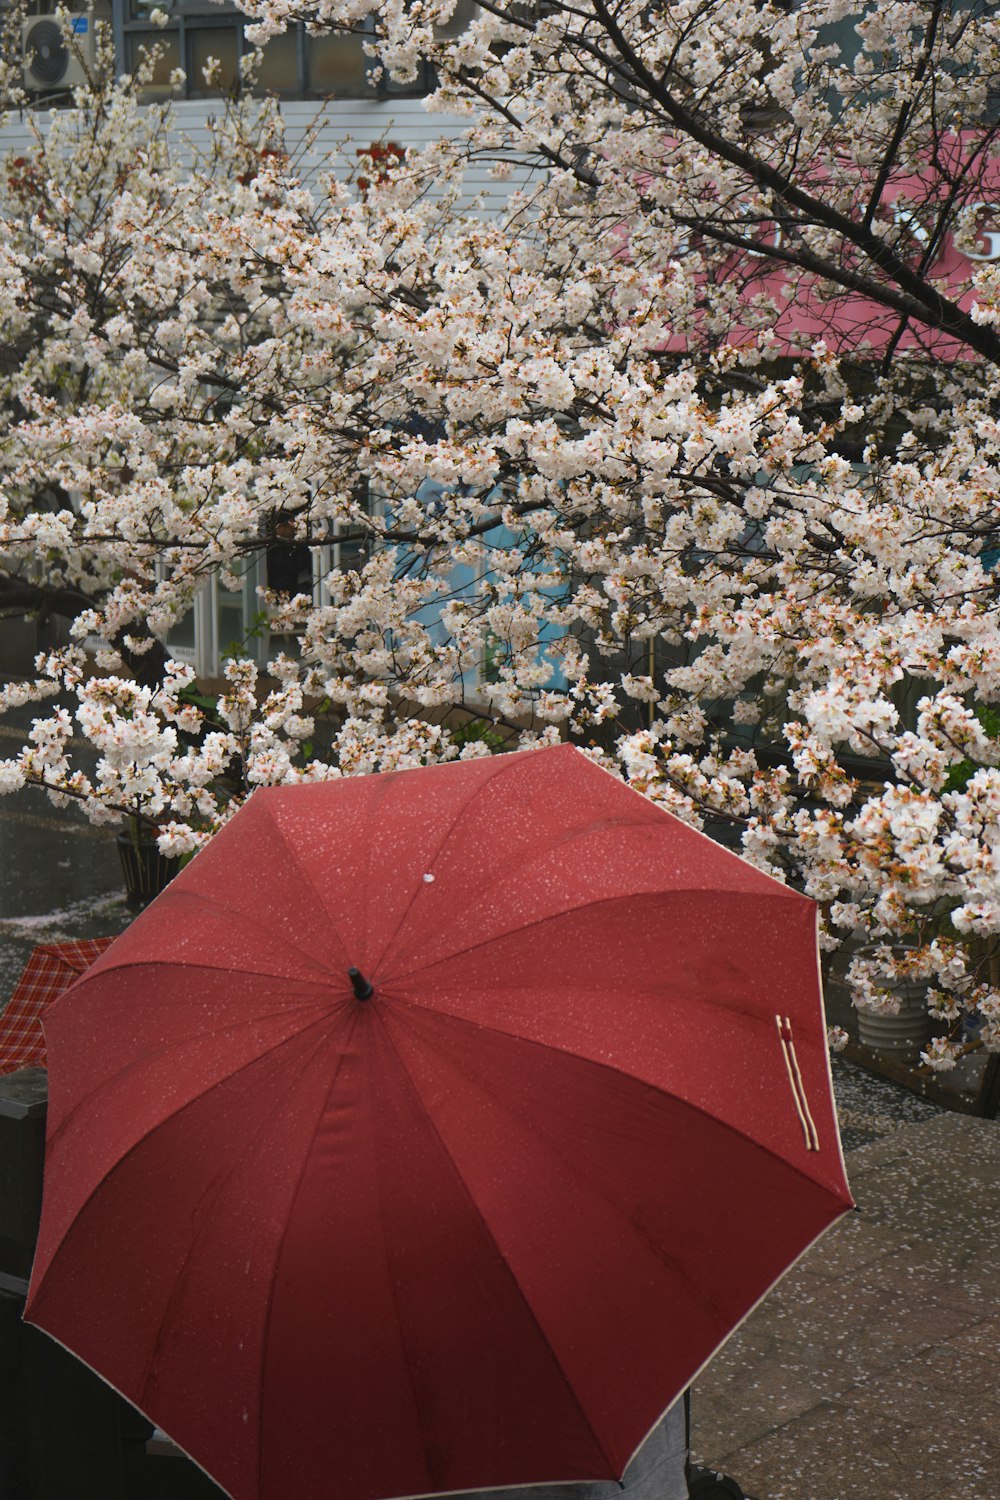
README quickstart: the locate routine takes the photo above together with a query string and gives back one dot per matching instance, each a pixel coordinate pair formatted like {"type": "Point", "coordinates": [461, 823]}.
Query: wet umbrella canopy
{"type": "Point", "coordinates": [431, 1130]}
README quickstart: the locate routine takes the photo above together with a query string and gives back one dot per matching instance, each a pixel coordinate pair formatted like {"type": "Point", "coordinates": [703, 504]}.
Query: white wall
{"type": "Point", "coordinates": [346, 125]}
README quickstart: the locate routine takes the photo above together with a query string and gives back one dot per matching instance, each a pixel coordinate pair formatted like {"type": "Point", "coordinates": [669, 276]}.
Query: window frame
{"type": "Point", "coordinates": [190, 16]}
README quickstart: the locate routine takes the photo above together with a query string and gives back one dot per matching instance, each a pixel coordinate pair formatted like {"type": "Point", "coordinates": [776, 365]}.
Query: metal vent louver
{"type": "Point", "coordinates": [46, 53]}
{"type": "Point", "coordinates": [54, 58]}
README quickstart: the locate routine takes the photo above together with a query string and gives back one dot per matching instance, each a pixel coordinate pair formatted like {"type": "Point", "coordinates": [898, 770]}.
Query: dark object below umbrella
{"type": "Point", "coordinates": [147, 872]}
{"type": "Point", "coordinates": [474, 1215]}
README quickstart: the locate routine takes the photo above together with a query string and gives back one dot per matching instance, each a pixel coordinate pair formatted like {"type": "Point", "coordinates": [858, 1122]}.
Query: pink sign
{"type": "Point", "coordinates": [800, 308]}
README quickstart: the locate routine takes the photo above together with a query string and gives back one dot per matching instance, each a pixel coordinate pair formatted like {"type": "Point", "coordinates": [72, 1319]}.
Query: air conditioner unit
{"type": "Point", "coordinates": [59, 55]}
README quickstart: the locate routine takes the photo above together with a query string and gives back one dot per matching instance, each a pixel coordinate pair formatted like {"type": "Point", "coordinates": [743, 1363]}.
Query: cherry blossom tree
{"type": "Point", "coordinates": [689, 455]}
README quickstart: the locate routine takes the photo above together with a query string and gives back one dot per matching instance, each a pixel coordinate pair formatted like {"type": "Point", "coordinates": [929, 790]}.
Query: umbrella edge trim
{"type": "Point", "coordinates": [111, 1386]}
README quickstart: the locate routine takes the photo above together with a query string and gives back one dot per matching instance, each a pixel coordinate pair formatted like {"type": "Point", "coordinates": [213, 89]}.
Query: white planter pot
{"type": "Point", "coordinates": [901, 1036]}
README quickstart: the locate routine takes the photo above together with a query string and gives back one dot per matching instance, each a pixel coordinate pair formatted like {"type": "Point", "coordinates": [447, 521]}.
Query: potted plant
{"type": "Point", "coordinates": [890, 997]}
{"type": "Point", "coordinates": [146, 870]}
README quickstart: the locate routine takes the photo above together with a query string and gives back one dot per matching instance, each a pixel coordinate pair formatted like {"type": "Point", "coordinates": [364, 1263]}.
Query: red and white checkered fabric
{"type": "Point", "coordinates": [51, 969]}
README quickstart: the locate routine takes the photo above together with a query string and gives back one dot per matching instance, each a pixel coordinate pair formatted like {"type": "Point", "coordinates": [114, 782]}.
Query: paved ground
{"type": "Point", "coordinates": [871, 1370]}
{"type": "Point", "coordinates": [869, 1108]}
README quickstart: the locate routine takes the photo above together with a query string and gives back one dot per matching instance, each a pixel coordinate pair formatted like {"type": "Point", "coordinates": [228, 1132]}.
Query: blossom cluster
{"type": "Point", "coordinates": [555, 472]}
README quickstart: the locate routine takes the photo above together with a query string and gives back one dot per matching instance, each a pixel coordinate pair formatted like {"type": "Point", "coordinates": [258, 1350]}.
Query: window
{"type": "Point", "coordinates": [207, 41]}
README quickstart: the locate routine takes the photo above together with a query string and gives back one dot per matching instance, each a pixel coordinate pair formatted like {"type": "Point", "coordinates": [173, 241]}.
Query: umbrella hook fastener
{"type": "Point", "coordinates": [787, 1041]}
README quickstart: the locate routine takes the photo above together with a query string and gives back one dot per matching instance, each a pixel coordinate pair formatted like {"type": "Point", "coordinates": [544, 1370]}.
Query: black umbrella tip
{"type": "Point", "coordinates": [360, 985]}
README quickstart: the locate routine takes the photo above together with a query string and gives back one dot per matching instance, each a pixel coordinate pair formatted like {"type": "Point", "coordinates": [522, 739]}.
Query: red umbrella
{"type": "Point", "coordinates": [431, 1131]}
{"type": "Point", "coordinates": [51, 968]}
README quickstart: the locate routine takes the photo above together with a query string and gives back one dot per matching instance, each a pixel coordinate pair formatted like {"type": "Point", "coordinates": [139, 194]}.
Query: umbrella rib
{"type": "Point", "coordinates": [659, 1251]}
{"type": "Point", "coordinates": [214, 1032]}
{"type": "Point", "coordinates": [303, 871]}
{"type": "Point", "coordinates": [214, 1191]}
{"type": "Point", "coordinates": [212, 901]}
{"type": "Point", "coordinates": [193, 964]}
{"type": "Point", "coordinates": [463, 1185]}
{"type": "Point", "coordinates": [500, 874]}
{"type": "Point", "coordinates": [457, 818]}
{"type": "Point", "coordinates": [566, 911]}
{"type": "Point", "coordinates": [407, 1363]}
{"type": "Point", "coordinates": [138, 1143]}
{"type": "Point", "coordinates": [279, 1251]}
{"type": "Point", "coordinates": [621, 1073]}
